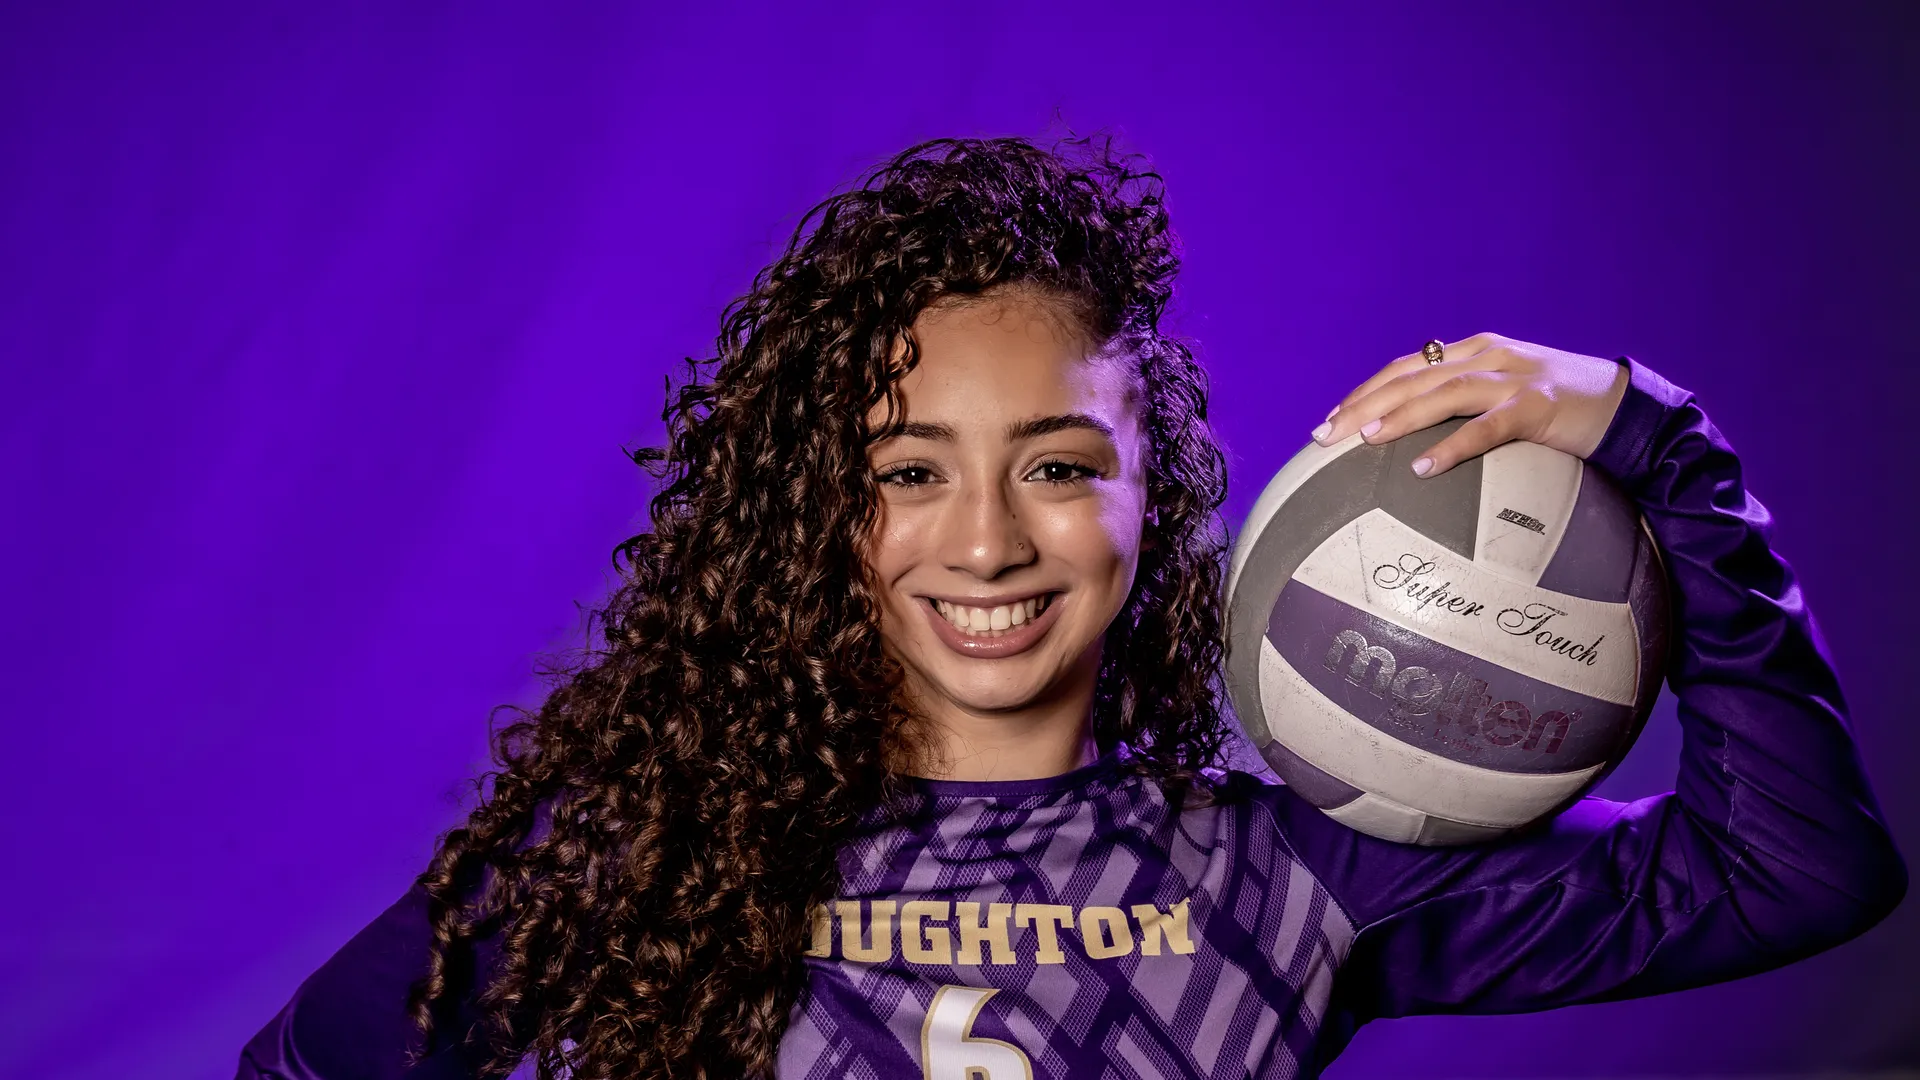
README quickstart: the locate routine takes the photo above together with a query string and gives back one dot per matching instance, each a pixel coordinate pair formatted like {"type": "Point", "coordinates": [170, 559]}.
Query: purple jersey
{"type": "Point", "coordinates": [1077, 927]}
{"type": "Point", "coordinates": [1067, 925]}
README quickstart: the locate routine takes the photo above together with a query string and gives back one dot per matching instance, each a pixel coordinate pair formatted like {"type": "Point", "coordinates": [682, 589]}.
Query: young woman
{"type": "Point", "coordinates": [898, 759]}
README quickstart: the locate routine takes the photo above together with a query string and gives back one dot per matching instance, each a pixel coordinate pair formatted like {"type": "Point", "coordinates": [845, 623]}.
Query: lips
{"type": "Point", "coordinates": [995, 643]}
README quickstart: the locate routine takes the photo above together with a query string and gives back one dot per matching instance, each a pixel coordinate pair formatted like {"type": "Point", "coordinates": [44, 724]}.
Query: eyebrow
{"type": "Point", "coordinates": [1017, 431]}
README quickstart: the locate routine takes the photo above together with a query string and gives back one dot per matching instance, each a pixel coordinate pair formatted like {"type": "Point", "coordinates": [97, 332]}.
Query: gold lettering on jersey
{"type": "Point", "coordinates": [851, 934]}
{"type": "Point", "coordinates": [1047, 921]}
{"type": "Point", "coordinates": [1104, 932]}
{"type": "Point", "coordinates": [922, 944]}
{"type": "Point", "coordinates": [822, 932]}
{"type": "Point", "coordinates": [972, 932]}
{"type": "Point", "coordinates": [993, 934]}
{"type": "Point", "coordinates": [1153, 922]}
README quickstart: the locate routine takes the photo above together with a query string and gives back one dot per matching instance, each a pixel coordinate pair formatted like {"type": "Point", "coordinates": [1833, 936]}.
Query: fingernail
{"type": "Point", "coordinates": [1331, 411]}
{"type": "Point", "coordinates": [1320, 433]}
{"type": "Point", "coordinates": [1422, 466]}
{"type": "Point", "coordinates": [1367, 429]}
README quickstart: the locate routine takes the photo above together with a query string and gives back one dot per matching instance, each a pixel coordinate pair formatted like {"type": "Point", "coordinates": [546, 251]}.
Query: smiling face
{"type": "Point", "coordinates": [1011, 516]}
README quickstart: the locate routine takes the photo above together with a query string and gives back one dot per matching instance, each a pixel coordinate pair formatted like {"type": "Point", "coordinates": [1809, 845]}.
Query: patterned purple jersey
{"type": "Point", "coordinates": [1079, 927]}
{"type": "Point", "coordinates": [1067, 927]}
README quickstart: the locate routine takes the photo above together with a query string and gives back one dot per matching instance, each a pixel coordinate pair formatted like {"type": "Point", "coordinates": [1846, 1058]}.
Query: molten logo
{"type": "Point", "coordinates": [1459, 701]}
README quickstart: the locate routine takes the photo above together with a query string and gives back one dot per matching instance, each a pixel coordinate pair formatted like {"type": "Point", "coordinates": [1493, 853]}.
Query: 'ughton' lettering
{"type": "Point", "coordinates": [1011, 933]}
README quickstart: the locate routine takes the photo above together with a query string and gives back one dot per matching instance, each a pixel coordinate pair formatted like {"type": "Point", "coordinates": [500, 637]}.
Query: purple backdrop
{"type": "Point", "coordinates": [322, 330]}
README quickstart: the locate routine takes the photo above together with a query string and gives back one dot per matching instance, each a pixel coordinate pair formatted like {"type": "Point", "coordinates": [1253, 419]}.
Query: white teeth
{"type": "Point", "coordinates": [995, 621]}
{"type": "Point", "coordinates": [974, 621]}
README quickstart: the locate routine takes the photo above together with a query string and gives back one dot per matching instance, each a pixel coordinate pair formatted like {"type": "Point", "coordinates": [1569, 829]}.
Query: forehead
{"type": "Point", "coordinates": [1012, 357]}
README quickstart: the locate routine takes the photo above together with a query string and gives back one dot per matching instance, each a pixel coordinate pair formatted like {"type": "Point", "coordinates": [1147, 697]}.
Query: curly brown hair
{"type": "Point", "coordinates": [642, 862]}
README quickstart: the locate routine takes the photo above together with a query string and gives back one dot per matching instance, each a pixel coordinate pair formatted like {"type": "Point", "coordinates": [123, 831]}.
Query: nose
{"type": "Point", "coordinates": [985, 534]}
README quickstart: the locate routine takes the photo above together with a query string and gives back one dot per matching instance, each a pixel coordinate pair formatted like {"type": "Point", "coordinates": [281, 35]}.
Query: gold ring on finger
{"type": "Point", "coordinates": [1434, 351]}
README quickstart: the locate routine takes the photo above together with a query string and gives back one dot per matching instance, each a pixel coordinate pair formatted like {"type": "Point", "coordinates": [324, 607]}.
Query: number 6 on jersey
{"type": "Point", "coordinates": [948, 1050]}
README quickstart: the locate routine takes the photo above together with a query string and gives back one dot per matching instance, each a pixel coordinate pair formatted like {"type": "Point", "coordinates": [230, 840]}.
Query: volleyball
{"type": "Point", "coordinates": [1443, 660]}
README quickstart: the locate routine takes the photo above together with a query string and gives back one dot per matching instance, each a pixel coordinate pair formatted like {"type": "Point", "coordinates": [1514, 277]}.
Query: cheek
{"type": "Point", "coordinates": [1124, 520]}
{"type": "Point", "coordinates": [1100, 537]}
{"type": "Point", "coordinates": [894, 544]}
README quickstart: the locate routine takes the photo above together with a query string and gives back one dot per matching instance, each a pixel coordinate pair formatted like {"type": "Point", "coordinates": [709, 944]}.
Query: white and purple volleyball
{"type": "Point", "coordinates": [1443, 660]}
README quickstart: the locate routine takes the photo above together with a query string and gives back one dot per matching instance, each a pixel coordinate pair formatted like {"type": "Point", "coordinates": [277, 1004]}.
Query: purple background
{"type": "Point", "coordinates": [322, 331]}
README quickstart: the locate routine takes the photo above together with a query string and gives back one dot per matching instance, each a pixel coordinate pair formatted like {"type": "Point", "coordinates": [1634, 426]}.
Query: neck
{"type": "Point", "coordinates": [996, 753]}
{"type": "Point", "coordinates": [1040, 740]}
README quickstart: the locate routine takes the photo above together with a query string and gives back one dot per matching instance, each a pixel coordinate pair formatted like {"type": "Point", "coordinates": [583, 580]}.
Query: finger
{"type": "Point", "coordinates": [1464, 349]}
{"type": "Point", "coordinates": [1394, 393]}
{"type": "Point", "coordinates": [1462, 393]}
{"type": "Point", "coordinates": [1497, 426]}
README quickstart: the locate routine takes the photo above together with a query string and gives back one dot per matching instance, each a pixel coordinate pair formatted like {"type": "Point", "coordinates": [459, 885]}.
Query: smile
{"type": "Point", "coordinates": [993, 620]}
{"type": "Point", "coordinates": [993, 630]}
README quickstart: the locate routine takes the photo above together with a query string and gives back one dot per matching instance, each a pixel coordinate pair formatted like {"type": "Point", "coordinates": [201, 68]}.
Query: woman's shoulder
{"type": "Point", "coordinates": [1259, 823]}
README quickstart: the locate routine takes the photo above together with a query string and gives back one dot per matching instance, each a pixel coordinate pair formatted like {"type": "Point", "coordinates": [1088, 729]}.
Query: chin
{"type": "Point", "coordinates": [989, 695]}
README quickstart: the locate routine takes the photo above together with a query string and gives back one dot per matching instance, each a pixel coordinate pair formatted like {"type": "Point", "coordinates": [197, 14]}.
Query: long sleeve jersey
{"type": "Point", "coordinates": [1080, 926]}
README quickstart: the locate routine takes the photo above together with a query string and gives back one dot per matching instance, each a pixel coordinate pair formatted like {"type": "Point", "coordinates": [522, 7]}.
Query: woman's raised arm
{"type": "Point", "coordinates": [1771, 848]}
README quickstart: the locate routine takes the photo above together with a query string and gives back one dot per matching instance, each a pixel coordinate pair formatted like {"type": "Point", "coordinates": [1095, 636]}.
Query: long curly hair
{"type": "Point", "coordinates": [642, 862]}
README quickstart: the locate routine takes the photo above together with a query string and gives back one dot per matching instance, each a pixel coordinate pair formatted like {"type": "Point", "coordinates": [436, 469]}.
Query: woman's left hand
{"type": "Point", "coordinates": [1512, 389]}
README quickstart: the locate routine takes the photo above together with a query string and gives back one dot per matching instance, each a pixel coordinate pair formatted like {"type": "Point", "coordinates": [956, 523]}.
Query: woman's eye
{"type": "Point", "coordinates": [907, 476]}
{"type": "Point", "coordinates": [1062, 472]}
